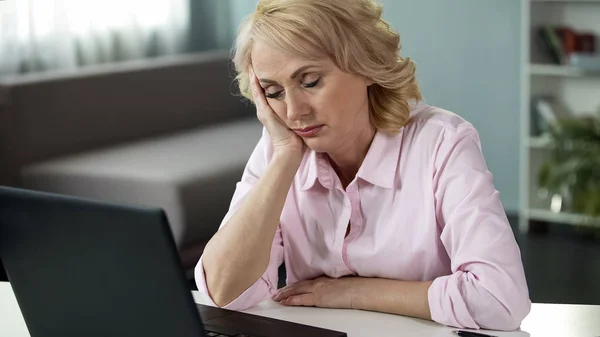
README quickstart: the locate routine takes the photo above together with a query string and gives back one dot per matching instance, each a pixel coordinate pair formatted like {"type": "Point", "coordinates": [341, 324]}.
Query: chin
{"type": "Point", "coordinates": [317, 144]}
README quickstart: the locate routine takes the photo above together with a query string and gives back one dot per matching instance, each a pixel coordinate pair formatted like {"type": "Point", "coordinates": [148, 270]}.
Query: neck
{"type": "Point", "coordinates": [346, 161]}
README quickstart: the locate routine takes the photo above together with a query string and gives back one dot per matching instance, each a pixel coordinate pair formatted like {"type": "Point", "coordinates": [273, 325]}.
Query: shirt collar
{"type": "Point", "coordinates": [378, 168]}
{"type": "Point", "coordinates": [381, 163]}
{"type": "Point", "coordinates": [316, 167]}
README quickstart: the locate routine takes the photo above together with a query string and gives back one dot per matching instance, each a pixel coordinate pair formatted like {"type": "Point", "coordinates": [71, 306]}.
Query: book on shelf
{"type": "Point", "coordinates": [585, 61]}
{"type": "Point", "coordinates": [566, 46]}
{"type": "Point", "coordinates": [546, 112]}
{"type": "Point", "coordinates": [552, 44]}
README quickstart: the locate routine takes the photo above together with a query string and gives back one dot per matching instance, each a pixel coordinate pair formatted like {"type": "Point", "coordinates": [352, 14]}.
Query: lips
{"type": "Point", "coordinates": [308, 128]}
{"type": "Point", "coordinates": [310, 131]}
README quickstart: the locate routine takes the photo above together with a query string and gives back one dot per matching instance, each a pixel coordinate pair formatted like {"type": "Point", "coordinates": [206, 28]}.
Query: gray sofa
{"type": "Point", "coordinates": [165, 132]}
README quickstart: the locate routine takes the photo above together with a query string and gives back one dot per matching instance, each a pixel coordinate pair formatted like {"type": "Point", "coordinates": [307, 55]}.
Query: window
{"type": "Point", "coordinates": [48, 34]}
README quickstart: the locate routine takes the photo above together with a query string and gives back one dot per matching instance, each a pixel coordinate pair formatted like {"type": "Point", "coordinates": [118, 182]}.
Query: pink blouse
{"type": "Point", "coordinates": [422, 207]}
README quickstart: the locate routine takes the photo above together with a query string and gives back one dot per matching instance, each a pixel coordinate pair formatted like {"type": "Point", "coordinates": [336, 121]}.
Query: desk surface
{"type": "Point", "coordinates": [545, 320]}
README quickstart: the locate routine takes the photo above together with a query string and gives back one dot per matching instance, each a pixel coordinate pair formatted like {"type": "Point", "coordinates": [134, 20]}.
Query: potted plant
{"type": "Point", "coordinates": [572, 170]}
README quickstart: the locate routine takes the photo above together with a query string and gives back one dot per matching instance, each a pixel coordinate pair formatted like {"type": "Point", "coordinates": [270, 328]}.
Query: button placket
{"type": "Point", "coordinates": [355, 222]}
{"type": "Point", "coordinates": [341, 232]}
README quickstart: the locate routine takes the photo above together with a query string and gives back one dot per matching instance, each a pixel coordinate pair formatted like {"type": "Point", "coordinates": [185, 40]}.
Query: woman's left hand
{"type": "Point", "coordinates": [322, 292]}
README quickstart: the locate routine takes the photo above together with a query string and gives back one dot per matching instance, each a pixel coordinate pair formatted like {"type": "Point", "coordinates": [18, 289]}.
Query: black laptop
{"type": "Point", "coordinates": [86, 268]}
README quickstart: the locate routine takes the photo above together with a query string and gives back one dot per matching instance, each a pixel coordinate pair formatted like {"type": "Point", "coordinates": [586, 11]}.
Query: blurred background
{"type": "Point", "coordinates": [134, 101]}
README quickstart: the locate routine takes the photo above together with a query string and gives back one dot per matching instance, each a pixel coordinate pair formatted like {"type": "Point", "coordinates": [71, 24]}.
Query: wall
{"type": "Point", "coordinates": [468, 57]}
{"type": "Point", "coordinates": [240, 9]}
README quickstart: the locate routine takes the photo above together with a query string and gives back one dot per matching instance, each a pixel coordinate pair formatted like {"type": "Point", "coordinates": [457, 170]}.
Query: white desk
{"type": "Point", "coordinates": [545, 320]}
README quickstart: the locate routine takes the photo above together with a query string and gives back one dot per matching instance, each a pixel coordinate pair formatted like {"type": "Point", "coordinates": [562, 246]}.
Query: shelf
{"type": "Point", "coordinates": [575, 83]}
{"type": "Point", "coordinates": [560, 71]}
{"type": "Point", "coordinates": [565, 218]}
{"type": "Point", "coordinates": [539, 142]}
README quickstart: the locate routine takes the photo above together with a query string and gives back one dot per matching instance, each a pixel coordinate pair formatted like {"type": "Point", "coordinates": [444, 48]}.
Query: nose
{"type": "Point", "coordinates": [297, 106]}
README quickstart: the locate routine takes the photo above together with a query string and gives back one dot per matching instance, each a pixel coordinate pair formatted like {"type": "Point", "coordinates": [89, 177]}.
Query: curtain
{"type": "Point", "coordinates": [39, 35]}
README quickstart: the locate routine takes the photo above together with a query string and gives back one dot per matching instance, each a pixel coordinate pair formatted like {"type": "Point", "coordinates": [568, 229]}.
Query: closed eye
{"type": "Point", "coordinates": [312, 84]}
{"type": "Point", "coordinates": [278, 94]}
{"type": "Point", "coordinates": [274, 95]}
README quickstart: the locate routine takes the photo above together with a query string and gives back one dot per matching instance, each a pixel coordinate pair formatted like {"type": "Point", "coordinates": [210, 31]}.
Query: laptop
{"type": "Point", "coordinates": [86, 268]}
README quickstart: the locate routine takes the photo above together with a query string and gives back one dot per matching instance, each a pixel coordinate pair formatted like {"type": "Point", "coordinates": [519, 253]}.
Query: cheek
{"type": "Point", "coordinates": [329, 104]}
{"type": "Point", "coordinates": [279, 108]}
{"type": "Point", "coordinates": [341, 103]}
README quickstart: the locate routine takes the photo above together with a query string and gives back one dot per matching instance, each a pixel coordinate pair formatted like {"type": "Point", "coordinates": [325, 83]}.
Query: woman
{"type": "Point", "coordinates": [373, 199]}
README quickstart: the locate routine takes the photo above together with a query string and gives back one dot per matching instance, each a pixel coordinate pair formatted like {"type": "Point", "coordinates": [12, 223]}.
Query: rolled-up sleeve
{"type": "Point", "coordinates": [266, 285]}
{"type": "Point", "coordinates": [487, 287]}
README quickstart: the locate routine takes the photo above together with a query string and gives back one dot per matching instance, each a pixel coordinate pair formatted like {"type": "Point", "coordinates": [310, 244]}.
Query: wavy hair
{"type": "Point", "coordinates": [352, 33]}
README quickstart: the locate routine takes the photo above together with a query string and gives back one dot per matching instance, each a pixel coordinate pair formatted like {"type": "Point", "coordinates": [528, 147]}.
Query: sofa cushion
{"type": "Point", "coordinates": [191, 175]}
{"type": "Point", "coordinates": [45, 115]}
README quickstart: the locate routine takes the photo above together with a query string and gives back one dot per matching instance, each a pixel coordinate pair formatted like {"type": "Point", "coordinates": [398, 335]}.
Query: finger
{"type": "Point", "coordinates": [252, 79]}
{"type": "Point", "coordinates": [294, 289]}
{"type": "Point", "coordinates": [257, 91]}
{"type": "Point", "coordinates": [262, 106]}
{"type": "Point", "coordinates": [290, 287]}
{"type": "Point", "coordinates": [297, 284]}
{"type": "Point", "coordinates": [303, 300]}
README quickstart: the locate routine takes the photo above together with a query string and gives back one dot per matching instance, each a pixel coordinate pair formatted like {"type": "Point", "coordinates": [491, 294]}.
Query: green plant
{"type": "Point", "coordinates": [573, 166]}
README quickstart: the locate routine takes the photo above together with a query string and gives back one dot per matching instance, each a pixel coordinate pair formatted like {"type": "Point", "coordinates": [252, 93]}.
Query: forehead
{"type": "Point", "coordinates": [274, 63]}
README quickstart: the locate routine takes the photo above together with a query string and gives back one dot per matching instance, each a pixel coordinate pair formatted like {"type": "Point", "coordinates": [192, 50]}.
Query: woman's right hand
{"type": "Point", "coordinates": [283, 140]}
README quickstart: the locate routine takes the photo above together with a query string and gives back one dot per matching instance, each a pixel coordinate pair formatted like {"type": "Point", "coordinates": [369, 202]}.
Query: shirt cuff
{"type": "Point", "coordinates": [255, 294]}
{"type": "Point", "coordinates": [446, 305]}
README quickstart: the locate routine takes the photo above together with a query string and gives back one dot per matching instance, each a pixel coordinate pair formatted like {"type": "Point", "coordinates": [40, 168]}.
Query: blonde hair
{"type": "Point", "coordinates": [351, 33]}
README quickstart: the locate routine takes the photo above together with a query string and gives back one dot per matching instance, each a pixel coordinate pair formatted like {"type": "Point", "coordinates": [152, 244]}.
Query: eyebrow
{"type": "Point", "coordinates": [294, 74]}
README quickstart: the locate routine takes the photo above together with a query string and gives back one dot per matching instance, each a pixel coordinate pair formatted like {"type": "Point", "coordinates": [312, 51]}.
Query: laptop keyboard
{"type": "Point", "coordinates": [217, 334]}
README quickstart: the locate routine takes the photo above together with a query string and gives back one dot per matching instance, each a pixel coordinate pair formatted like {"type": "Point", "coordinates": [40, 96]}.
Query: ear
{"type": "Point", "coordinates": [368, 82]}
